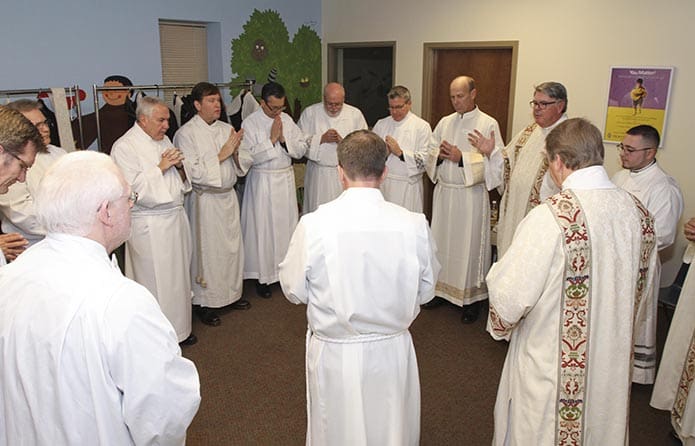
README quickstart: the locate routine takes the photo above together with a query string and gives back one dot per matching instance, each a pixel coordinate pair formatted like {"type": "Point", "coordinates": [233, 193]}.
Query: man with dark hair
{"type": "Point", "coordinates": [570, 295]}
{"type": "Point", "coordinates": [407, 137]}
{"type": "Point", "coordinates": [20, 140]}
{"type": "Point", "coordinates": [645, 179]}
{"type": "Point", "coordinates": [17, 205]}
{"type": "Point", "coordinates": [269, 208]}
{"type": "Point", "coordinates": [210, 147]}
{"type": "Point", "coordinates": [362, 266]}
{"type": "Point", "coordinates": [328, 122]}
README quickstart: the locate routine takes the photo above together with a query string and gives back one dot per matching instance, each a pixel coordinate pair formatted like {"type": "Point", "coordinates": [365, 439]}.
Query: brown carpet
{"type": "Point", "coordinates": [252, 379]}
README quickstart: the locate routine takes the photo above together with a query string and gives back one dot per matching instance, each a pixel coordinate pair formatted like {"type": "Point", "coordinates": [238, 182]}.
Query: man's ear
{"type": "Point", "coordinates": [384, 174]}
{"type": "Point", "coordinates": [342, 177]}
{"type": "Point", "coordinates": [103, 213]}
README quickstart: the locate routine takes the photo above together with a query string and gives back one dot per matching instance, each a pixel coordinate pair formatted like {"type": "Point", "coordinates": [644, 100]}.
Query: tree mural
{"type": "Point", "coordinates": [264, 50]}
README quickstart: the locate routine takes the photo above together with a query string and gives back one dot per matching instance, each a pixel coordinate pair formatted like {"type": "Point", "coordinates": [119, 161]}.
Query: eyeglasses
{"type": "Point", "coordinates": [396, 107]}
{"type": "Point", "coordinates": [276, 109]}
{"type": "Point", "coordinates": [44, 124]}
{"type": "Point", "coordinates": [542, 105]}
{"type": "Point", "coordinates": [133, 197]}
{"type": "Point", "coordinates": [23, 165]}
{"type": "Point", "coordinates": [623, 148]}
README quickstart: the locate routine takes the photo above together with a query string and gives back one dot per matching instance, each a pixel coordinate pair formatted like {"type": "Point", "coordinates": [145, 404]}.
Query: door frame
{"type": "Point", "coordinates": [335, 64]}
{"type": "Point", "coordinates": [429, 52]}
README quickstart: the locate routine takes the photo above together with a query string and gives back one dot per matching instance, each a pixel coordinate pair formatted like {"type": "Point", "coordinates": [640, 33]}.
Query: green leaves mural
{"type": "Point", "coordinates": [264, 46]}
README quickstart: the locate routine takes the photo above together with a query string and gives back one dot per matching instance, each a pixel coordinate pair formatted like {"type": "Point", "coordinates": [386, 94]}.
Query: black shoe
{"type": "Point", "coordinates": [241, 304]}
{"type": "Point", "coordinates": [190, 340]}
{"type": "Point", "coordinates": [263, 290]}
{"type": "Point", "coordinates": [434, 303]}
{"type": "Point", "coordinates": [207, 315]}
{"type": "Point", "coordinates": [470, 313]}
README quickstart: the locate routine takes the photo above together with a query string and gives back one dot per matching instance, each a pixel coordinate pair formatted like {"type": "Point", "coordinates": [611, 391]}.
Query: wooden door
{"type": "Point", "coordinates": [492, 65]}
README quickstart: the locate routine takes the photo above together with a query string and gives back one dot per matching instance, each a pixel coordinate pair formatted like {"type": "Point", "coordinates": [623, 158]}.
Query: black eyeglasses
{"type": "Point", "coordinates": [542, 105]}
{"type": "Point", "coordinates": [622, 147]}
{"type": "Point", "coordinates": [25, 166]}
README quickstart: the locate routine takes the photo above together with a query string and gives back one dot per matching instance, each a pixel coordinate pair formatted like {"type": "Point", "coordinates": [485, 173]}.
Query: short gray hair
{"type": "Point", "coordinates": [146, 105]}
{"type": "Point", "coordinates": [72, 190]}
{"type": "Point", "coordinates": [577, 142]}
{"type": "Point", "coordinates": [399, 91]}
{"type": "Point", "coordinates": [555, 90]}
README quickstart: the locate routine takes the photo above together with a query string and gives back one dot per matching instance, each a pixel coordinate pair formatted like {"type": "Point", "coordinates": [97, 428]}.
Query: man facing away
{"type": "Point", "coordinates": [407, 137]}
{"type": "Point", "coordinates": [553, 296]}
{"type": "Point", "coordinates": [20, 141]}
{"type": "Point", "coordinates": [158, 252]}
{"type": "Point", "coordinates": [524, 166]}
{"type": "Point", "coordinates": [362, 266]}
{"type": "Point", "coordinates": [87, 355]}
{"type": "Point", "coordinates": [17, 205]}
{"type": "Point", "coordinates": [645, 179]}
{"type": "Point", "coordinates": [460, 207]}
{"type": "Point", "coordinates": [328, 122]}
{"type": "Point", "coordinates": [269, 209]}
{"type": "Point", "coordinates": [210, 147]}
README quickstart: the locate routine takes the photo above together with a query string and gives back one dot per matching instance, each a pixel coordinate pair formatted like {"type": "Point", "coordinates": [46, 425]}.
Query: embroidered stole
{"type": "Point", "coordinates": [575, 311]}
{"type": "Point", "coordinates": [520, 143]}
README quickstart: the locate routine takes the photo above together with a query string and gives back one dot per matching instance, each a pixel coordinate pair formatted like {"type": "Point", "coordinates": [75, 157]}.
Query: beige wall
{"type": "Point", "coordinates": [570, 42]}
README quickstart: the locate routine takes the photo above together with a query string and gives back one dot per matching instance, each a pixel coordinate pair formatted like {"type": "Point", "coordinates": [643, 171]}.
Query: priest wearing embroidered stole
{"type": "Point", "coordinates": [362, 266]}
{"type": "Point", "coordinates": [523, 171]}
{"type": "Point", "coordinates": [673, 388]}
{"type": "Point", "coordinates": [569, 295]}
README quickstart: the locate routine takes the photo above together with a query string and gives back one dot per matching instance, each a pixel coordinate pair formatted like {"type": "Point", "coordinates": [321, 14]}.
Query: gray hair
{"type": "Point", "coordinates": [399, 91]}
{"type": "Point", "coordinates": [578, 142]}
{"type": "Point", "coordinates": [555, 90]}
{"type": "Point", "coordinates": [25, 105]}
{"type": "Point", "coordinates": [72, 190]}
{"type": "Point", "coordinates": [146, 105]}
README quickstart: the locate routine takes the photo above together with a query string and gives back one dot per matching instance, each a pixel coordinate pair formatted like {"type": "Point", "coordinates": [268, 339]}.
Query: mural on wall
{"type": "Point", "coordinates": [264, 52]}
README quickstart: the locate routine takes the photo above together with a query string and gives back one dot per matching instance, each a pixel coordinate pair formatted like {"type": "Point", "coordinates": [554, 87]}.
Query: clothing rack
{"type": "Point", "coordinates": [96, 89]}
{"type": "Point", "coordinates": [69, 91]}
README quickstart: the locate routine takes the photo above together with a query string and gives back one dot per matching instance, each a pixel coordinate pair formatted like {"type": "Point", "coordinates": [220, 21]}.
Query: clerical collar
{"type": "Point", "coordinates": [644, 168]}
{"type": "Point", "coordinates": [468, 113]}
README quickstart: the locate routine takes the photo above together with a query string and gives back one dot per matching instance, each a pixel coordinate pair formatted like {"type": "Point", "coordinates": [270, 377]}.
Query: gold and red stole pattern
{"type": "Point", "coordinates": [575, 310]}
{"type": "Point", "coordinates": [534, 196]}
{"type": "Point", "coordinates": [686, 381]}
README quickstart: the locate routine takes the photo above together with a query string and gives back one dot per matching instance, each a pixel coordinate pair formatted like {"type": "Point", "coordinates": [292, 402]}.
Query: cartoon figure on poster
{"type": "Point", "coordinates": [637, 95]}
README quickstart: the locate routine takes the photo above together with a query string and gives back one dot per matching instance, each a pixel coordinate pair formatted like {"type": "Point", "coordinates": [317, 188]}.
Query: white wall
{"type": "Point", "coordinates": [573, 42]}
{"type": "Point", "coordinates": [48, 43]}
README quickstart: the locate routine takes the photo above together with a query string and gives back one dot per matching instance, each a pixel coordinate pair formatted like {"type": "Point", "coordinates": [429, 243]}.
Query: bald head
{"type": "Point", "coordinates": [462, 93]}
{"type": "Point", "coordinates": [333, 98]}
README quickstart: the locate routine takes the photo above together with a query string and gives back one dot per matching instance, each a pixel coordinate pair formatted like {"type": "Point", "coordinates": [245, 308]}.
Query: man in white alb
{"type": "Point", "coordinates": [269, 209]}
{"type": "Point", "coordinates": [87, 355]}
{"type": "Point", "coordinates": [645, 179]}
{"type": "Point", "coordinates": [158, 252]}
{"type": "Point", "coordinates": [408, 138]}
{"type": "Point", "coordinates": [674, 382]}
{"type": "Point", "coordinates": [210, 148]}
{"type": "Point", "coordinates": [362, 266]}
{"type": "Point", "coordinates": [20, 141]}
{"type": "Point", "coordinates": [328, 121]}
{"type": "Point", "coordinates": [553, 296]}
{"type": "Point", "coordinates": [463, 172]}
{"type": "Point", "coordinates": [17, 205]}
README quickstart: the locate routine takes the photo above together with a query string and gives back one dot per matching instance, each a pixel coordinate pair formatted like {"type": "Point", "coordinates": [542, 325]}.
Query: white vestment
{"type": "Point", "coordinates": [526, 298]}
{"type": "Point", "coordinates": [17, 205]}
{"type": "Point", "coordinates": [661, 195]}
{"type": "Point", "coordinates": [321, 183]}
{"type": "Point", "coordinates": [87, 356]}
{"type": "Point", "coordinates": [269, 209]}
{"type": "Point", "coordinates": [403, 184]}
{"type": "Point", "coordinates": [460, 214]}
{"type": "Point", "coordinates": [363, 266]}
{"type": "Point", "coordinates": [158, 253]}
{"type": "Point", "coordinates": [217, 264]}
{"type": "Point", "coordinates": [528, 182]}
{"type": "Point", "coordinates": [673, 385]}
